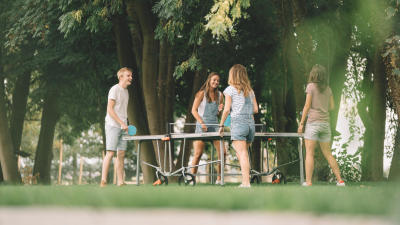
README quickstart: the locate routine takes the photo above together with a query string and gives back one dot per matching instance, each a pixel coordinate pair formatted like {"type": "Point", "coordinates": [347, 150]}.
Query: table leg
{"type": "Point", "coordinates": [301, 160]}
{"type": "Point", "coordinates": [212, 164]}
{"type": "Point", "coordinates": [138, 164]}
{"type": "Point", "coordinates": [222, 150]}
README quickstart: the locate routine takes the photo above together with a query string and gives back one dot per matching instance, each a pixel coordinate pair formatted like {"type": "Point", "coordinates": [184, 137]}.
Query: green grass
{"type": "Point", "coordinates": [372, 198]}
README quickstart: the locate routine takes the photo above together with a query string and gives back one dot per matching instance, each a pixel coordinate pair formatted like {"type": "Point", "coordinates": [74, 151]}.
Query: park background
{"type": "Point", "coordinates": [59, 58]}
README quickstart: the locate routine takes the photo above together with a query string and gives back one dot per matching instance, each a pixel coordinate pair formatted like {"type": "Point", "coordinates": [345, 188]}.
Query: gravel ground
{"type": "Point", "coordinates": [89, 216]}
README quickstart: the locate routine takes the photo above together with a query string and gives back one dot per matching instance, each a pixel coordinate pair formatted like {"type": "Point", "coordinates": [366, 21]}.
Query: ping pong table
{"type": "Point", "coordinates": [206, 136]}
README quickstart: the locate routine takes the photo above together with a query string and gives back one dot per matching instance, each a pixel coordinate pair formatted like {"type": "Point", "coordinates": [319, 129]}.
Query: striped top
{"type": "Point", "coordinates": [238, 100]}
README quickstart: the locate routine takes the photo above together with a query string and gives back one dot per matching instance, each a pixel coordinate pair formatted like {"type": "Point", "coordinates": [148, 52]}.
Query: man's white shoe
{"type": "Point", "coordinates": [305, 184]}
{"type": "Point", "coordinates": [244, 186]}
{"type": "Point", "coordinates": [218, 182]}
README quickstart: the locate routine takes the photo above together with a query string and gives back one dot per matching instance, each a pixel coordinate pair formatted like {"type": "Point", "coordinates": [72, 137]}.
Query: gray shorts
{"type": "Point", "coordinates": [114, 140]}
{"type": "Point", "coordinates": [318, 131]}
{"type": "Point", "coordinates": [242, 131]}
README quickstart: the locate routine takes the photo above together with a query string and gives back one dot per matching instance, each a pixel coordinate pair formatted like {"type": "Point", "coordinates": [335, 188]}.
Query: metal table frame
{"type": "Point", "coordinates": [209, 136]}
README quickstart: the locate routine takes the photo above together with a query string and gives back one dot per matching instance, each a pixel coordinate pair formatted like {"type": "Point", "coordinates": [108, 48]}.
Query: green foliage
{"type": "Point", "coordinates": [172, 15]}
{"type": "Point", "coordinates": [93, 16]}
{"type": "Point", "coordinates": [224, 14]}
{"type": "Point", "coordinates": [392, 52]}
{"type": "Point", "coordinates": [192, 64]}
{"type": "Point", "coordinates": [349, 164]}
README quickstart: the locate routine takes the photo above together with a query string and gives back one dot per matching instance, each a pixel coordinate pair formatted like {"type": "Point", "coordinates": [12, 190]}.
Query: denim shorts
{"type": "Point", "coordinates": [114, 140]}
{"type": "Point", "coordinates": [210, 128]}
{"type": "Point", "coordinates": [242, 130]}
{"type": "Point", "coordinates": [318, 131]}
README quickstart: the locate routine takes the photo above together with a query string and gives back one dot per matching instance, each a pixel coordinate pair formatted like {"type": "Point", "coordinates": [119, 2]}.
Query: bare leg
{"type": "Point", "coordinates": [198, 151]}
{"type": "Point", "coordinates": [310, 149]}
{"type": "Point", "coordinates": [216, 145]}
{"type": "Point", "coordinates": [326, 150]}
{"type": "Point", "coordinates": [106, 166]}
{"type": "Point", "coordinates": [120, 167]}
{"type": "Point", "coordinates": [241, 149]}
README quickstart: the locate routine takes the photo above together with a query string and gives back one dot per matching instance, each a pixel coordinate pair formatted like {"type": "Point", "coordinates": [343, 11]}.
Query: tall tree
{"type": "Point", "coordinates": [7, 155]}
{"type": "Point", "coordinates": [136, 111]}
{"type": "Point", "coordinates": [44, 151]}
{"type": "Point", "coordinates": [8, 162]}
{"type": "Point", "coordinates": [373, 108]}
{"type": "Point", "coordinates": [392, 65]}
{"type": "Point", "coordinates": [19, 102]}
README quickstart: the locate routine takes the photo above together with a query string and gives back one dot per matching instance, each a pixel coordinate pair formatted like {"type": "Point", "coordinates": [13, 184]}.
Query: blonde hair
{"type": "Point", "coordinates": [239, 79]}
{"type": "Point", "coordinates": [206, 87]}
{"type": "Point", "coordinates": [122, 70]}
{"type": "Point", "coordinates": [319, 76]}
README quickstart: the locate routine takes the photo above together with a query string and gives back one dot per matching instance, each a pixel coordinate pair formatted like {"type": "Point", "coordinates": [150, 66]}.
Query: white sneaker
{"type": "Point", "coordinates": [305, 184]}
{"type": "Point", "coordinates": [244, 186]}
{"type": "Point", "coordinates": [218, 182]}
{"type": "Point", "coordinates": [341, 183]}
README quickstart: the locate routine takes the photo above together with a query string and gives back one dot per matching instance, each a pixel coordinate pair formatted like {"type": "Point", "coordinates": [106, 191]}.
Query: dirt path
{"type": "Point", "coordinates": [90, 216]}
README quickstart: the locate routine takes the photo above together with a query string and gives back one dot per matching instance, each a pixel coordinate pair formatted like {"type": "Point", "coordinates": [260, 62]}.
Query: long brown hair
{"type": "Point", "coordinates": [239, 79]}
{"type": "Point", "coordinates": [319, 76]}
{"type": "Point", "coordinates": [207, 90]}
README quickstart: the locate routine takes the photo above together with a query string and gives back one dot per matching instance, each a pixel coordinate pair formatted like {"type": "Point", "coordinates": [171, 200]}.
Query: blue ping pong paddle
{"type": "Point", "coordinates": [131, 130]}
{"type": "Point", "coordinates": [227, 122]}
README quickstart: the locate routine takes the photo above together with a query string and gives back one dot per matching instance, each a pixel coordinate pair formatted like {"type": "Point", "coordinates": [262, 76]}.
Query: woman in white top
{"type": "Point", "coordinates": [241, 103]}
{"type": "Point", "coordinates": [206, 106]}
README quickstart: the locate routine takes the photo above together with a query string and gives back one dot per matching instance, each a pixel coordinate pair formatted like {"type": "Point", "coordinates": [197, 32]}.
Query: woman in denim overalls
{"type": "Point", "coordinates": [241, 102]}
{"type": "Point", "coordinates": [206, 106]}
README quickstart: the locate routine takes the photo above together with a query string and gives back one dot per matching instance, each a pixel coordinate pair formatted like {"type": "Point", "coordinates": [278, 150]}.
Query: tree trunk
{"type": "Point", "coordinates": [152, 53]}
{"type": "Point", "coordinates": [379, 115]}
{"type": "Point", "coordinates": [394, 94]}
{"type": "Point", "coordinates": [284, 100]}
{"type": "Point", "coordinates": [255, 154]}
{"type": "Point", "coordinates": [74, 167]}
{"type": "Point", "coordinates": [166, 83]}
{"type": "Point", "coordinates": [19, 101]}
{"type": "Point", "coordinates": [373, 150]}
{"type": "Point", "coordinates": [149, 66]}
{"type": "Point", "coordinates": [44, 150]}
{"type": "Point", "coordinates": [136, 111]}
{"type": "Point", "coordinates": [338, 49]}
{"type": "Point", "coordinates": [366, 118]}
{"type": "Point", "coordinates": [166, 91]}
{"type": "Point", "coordinates": [300, 61]}
{"type": "Point", "coordinates": [8, 161]}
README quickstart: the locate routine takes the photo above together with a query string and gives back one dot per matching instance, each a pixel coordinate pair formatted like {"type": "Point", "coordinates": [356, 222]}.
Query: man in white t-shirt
{"type": "Point", "coordinates": [116, 124]}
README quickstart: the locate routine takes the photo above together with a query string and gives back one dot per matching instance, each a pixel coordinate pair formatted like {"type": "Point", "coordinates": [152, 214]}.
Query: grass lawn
{"type": "Point", "coordinates": [359, 199]}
